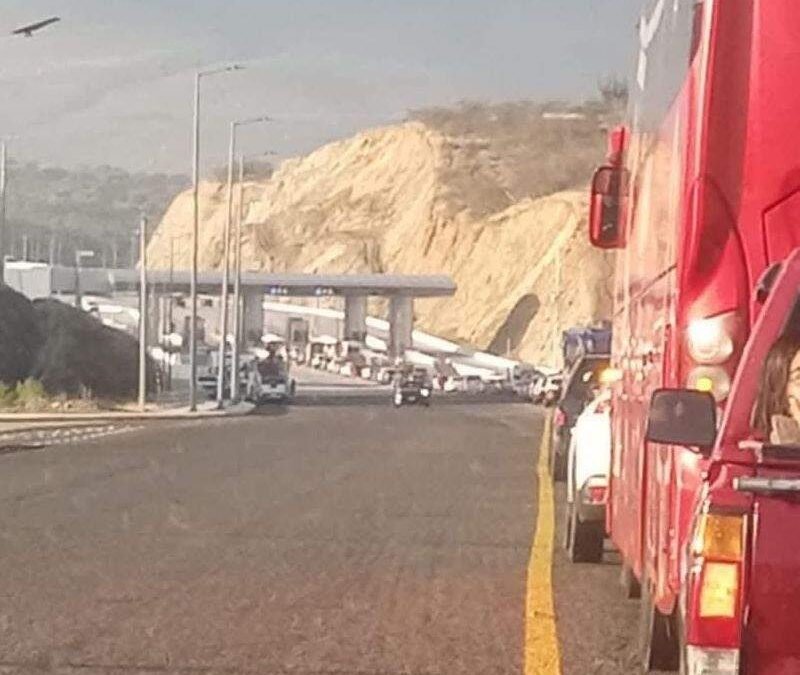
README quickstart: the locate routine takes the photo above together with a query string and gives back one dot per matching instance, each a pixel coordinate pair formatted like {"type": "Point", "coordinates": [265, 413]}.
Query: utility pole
{"type": "Point", "coordinates": [557, 309]}
{"type": "Point", "coordinates": [142, 313]}
{"type": "Point", "coordinates": [25, 247]}
{"type": "Point", "coordinates": [115, 253]}
{"type": "Point", "coordinates": [226, 258]}
{"type": "Point", "coordinates": [2, 209]}
{"type": "Point", "coordinates": [223, 296]}
{"type": "Point", "coordinates": [237, 288]}
{"type": "Point", "coordinates": [170, 297]}
{"type": "Point", "coordinates": [80, 255]}
{"type": "Point", "coordinates": [134, 244]}
{"type": "Point", "coordinates": [195, 229]}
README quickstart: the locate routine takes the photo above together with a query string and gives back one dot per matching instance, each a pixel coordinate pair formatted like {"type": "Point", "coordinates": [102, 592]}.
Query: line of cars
{"type": "Point", "coordinates": [539, 387]}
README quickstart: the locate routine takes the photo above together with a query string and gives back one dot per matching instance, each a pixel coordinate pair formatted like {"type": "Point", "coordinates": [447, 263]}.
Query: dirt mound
{"type": "Point", "coordinates": [68, 351]}
{"type": "Point", "coordinates": [20, 337]}
{"type": "Point", "coordinates": [81, 354]}
{"type": "Point", "coordinates": [412, 199]}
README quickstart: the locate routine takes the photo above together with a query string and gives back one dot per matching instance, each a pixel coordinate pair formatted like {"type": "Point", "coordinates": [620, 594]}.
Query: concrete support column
{"type": "Point", "coordinates": [401, 323]}
{"type": "Point", "coordinates": [252, 315]}
{"type": "Point", "coordinates": [355, 317]}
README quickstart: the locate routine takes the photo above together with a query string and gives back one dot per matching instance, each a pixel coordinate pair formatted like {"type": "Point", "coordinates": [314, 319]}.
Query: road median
{"type": "Point", "coordinates": [22, 420]}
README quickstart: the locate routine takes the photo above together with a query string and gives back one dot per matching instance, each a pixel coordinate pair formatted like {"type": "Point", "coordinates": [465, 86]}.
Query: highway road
{"type": "Point", "coordinates": [332, 537]}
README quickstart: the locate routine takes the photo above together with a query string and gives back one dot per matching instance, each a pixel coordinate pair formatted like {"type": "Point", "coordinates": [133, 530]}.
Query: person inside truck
{"type": "Point", "coordinates": [776, 414]}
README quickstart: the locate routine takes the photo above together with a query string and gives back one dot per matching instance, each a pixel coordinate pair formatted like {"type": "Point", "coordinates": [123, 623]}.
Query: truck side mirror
{"type": "Point", "coordinates": [605, 208]}
{"type": "Point", "coordinates": [682, 417]}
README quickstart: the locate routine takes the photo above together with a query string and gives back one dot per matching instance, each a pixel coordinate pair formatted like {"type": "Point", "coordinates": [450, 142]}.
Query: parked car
{"type": "Point", "coordinates": [412, 386]}
{"type": "Point", "coordinates": [536, 388]}
{"type": "Point", "coordinates": [578, 390]}
{"type": "Point", "coordinates": [551, 389]}
{"type": "Point", "coordinates": [473, 384]}
{"type": "Point", "coordinates": [588, 462]}
{"type": "Point", "coordinates": [270, 380]}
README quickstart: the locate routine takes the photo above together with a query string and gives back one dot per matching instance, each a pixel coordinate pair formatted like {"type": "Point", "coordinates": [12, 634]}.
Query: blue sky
{"type": "Point", "coordinates": [112, 83]}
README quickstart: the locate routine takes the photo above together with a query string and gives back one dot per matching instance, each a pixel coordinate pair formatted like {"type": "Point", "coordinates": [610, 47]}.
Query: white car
{"type": "Point", "coordinates": [551, 389]}
{"type": "Point", "coordinates": [270, 384]}
{"type": "Point", "coordinates": [588, 463]}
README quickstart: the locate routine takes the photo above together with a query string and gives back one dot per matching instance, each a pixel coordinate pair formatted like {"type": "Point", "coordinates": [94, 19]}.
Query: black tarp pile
{"type": "Point", "coordinates": [68, 351]}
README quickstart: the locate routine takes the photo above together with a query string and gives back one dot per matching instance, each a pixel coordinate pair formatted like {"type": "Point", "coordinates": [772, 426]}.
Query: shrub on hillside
{"type": "Point", "coordinates": [81, 355]}
{"type": "Point", "coordinates": [20, 338]}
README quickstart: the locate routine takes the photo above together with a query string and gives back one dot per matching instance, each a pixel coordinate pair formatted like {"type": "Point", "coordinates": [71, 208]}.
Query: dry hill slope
{"type": "Point", "coordinates": [410, 199]}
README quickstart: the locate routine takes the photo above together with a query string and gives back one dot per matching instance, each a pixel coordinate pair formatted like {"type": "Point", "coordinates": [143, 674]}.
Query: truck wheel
{"type": "Point", "coordinates": [629, 582]}
{"type": "Point", "coordinates": [586, 541]}
{"type": "Point", "coordinates": [659, 648]}
{"type": "Point", "coordinates": [558, 462]}
{"type": "Point", "coordinates": [566, 539]}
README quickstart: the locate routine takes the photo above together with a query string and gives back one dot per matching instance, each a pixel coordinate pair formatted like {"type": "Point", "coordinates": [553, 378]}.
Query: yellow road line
{"type": "Point", "coordinates": [542, 655]}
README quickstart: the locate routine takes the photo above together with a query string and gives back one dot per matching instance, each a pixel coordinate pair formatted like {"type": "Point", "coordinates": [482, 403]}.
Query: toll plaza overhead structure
{"type": "Point", "coordinates": [41, 280]}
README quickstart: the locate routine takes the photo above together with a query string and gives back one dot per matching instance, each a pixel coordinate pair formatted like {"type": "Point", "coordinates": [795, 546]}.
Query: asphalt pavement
{"type": "Point", "coordinates": [330, 538]}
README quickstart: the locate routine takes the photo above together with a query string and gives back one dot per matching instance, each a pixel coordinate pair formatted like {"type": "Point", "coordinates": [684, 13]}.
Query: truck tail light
{"type": "Point", "coordinates": [713, 379]}
{"type": "Point", "coordinates": [710, 341]}
{"type": "Point", "coordinates": [594, 490]}
{"type": "Point", "coordinates": [559, 418]}
{"type": "Point", "coordinates": [712, 345]}
{"type": "Point", "coordinates": [719, 537]}
{"type": "Point", "coordinates": [714, 607]}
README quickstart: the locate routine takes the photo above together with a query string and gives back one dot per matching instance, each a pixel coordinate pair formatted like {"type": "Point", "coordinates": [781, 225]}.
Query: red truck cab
{"type": "Point", "coordinates": [739, 605]}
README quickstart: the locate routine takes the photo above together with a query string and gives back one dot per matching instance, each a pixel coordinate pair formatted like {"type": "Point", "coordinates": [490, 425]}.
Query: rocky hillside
{"type": "Point", "coordinates": [413, 198]}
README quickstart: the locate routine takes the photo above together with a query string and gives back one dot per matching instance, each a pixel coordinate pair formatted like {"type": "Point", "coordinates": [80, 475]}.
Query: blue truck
{"type": "Point", "coordinates": [581, 340]}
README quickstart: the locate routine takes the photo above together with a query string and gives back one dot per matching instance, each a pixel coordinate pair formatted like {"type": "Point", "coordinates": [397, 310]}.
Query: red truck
{"type": "Point", "coordinates": [699, 196]}
{"type": "Point", "coordinates": [739, 596]}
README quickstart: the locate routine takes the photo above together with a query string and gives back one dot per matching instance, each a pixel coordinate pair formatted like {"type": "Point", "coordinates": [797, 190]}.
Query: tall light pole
{"type": "Point", "coordinates": [2, 210]}
{"type": "Point", "coordinates": [80, 255]}
{"type": "Point", "coordinates": [226, 257]}
{"type": "Point", "coordinates": [195, 226]}
{"type": "Point", "coordinates": [237, 283]}
{"type": "Point", "coordinates": [142, 313]}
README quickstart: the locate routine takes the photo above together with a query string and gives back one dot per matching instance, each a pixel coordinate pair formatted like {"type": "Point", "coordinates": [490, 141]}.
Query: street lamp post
{"type": "Point", "coordinates": [80, 255]}
{"type": "Point", "coordinates": [142, 313]}
{"type": "Point", "coordinates": [195, 226]}
{"type": "Point", "coordinates": [237, 288]}
{"type": "Point", "coordinates": [226, 258]}
{"type": "Point", "coordinates": [237, 284]}
{"type": "Point", "coordinates": [2, 210]}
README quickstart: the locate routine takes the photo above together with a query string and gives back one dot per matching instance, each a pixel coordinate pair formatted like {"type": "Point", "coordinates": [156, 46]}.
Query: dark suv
{"type": "Point", "coordinates": [580, 384]}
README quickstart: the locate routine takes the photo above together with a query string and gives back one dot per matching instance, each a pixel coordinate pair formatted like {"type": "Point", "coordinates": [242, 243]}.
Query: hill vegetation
{"type": "Point", "coordinates": [94, 208]}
